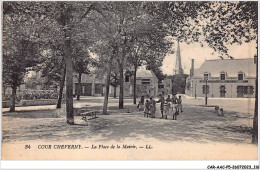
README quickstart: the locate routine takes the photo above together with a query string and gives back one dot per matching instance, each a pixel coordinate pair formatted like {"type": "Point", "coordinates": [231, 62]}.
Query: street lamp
{"type": "Point", "coordinates": [195, 91]}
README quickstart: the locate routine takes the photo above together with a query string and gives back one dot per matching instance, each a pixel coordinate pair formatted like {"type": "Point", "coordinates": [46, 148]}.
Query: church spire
{"type": "Point", "coordinates": [178, 67]}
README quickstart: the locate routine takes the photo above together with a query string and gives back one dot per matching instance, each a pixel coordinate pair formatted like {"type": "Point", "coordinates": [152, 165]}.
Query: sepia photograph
{"type": "Point", "coordinates": [129, 80]}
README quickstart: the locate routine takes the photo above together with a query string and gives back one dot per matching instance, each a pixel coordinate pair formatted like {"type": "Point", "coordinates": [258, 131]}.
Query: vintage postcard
{"type": "Point", "coordinates": [109, 80]}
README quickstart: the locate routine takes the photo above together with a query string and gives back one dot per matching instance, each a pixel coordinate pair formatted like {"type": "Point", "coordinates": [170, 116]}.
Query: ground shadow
{"type": "Point", "coordinates": [195, 124]}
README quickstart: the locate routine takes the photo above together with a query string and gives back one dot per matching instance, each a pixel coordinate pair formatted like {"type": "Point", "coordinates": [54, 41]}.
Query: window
{"type": "Point", "coordinates": [245, 90]}
{"type": "Point", "coordinates": [127, 78]}
{"type": "Point", "coordinates": [145, 81]}
{"type": "Point", "coordinates": [223, 76]}
{"type": "Point", "coordinates": [240, 76]}
{"type": "Point", "coordinates": [250, 90]}
{"type": "Point", "coordinates": [206, 76]}
{"type": "Point", "coordinates": [222, 91]}
{"type": "Point", "coordinates": [205, 89]}
{"type": "Point", "coordinates": [161, 86]}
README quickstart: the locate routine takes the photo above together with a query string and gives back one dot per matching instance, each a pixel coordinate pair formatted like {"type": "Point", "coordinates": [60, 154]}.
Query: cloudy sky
{"type": "Point", "coordinates": [200, 54]}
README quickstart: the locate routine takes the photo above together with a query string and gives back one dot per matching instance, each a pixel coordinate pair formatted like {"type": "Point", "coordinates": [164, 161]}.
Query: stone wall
{"type": "Point", "coordinates": [6, 104]}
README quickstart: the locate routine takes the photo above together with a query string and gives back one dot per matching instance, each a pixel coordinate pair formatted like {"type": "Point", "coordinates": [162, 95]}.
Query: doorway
{"type": "Point", "coordinates": [240, 91]}
{"type": "Point", "coordinates": [222, 91]}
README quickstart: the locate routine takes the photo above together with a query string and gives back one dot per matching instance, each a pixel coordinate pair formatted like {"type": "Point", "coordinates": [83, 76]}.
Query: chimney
{"type": "Point", "coordinates": [192, 68]}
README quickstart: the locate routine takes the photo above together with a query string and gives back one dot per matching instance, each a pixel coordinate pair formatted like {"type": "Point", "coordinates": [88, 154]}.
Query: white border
{"type": "Point", "coordinates": [119, 164]}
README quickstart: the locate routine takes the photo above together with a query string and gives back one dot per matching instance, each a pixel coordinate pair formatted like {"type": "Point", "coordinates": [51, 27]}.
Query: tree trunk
{"type": "Point", "coordinates": [12, 104]}
{"type": "Point", "coordinates": [121, 86]}
{"type": "Point", "coordinates": [114, 91]}
{"type": "Point", "coordinates": [79, 86]}
{"type": "Point", "coordinates": [107, 87]}
{"type": "Point", "coordinates": [135, 84]}
{"type": "Point", "coordinates": [69, 82]}
{"type": "Point", "coordinates": [61, 88]}
{"type": "Point", "coordinates": [255, 123]}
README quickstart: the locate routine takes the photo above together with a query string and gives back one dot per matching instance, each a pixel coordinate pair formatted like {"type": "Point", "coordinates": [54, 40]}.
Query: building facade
{"type": "Point", "coordinates": [90, 85]}
{"type": "Point", "coordinates": [146, 84]}
{"type": "Point", "coordinates": [223, 78]}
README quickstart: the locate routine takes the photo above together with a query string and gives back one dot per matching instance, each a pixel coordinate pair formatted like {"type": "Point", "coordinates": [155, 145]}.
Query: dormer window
{"type": "Point", "coordinates": [206, 76]}
{"type": "Point", "coordinates": [223, 76]}
{"type": "Point", "coordinates": [240, 76]}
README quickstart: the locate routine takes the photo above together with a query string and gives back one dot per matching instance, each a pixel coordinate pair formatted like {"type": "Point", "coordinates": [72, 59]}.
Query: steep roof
{"type": "Point", "coordinates": [88, 78]}
{"type": "Point", "coordinates": [142, 72]}
{"type": "Point", "coordinates": [231, 67]}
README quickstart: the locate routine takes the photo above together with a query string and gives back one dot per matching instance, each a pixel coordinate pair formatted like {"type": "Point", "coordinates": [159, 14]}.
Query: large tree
{"type": "Point", "coordinates": [20, 49]}
{"type": "Point", "coordinates": [149, 50]}
{"type": "Point", "coordinates": [149, 46]}
{"type": "Point", "coordinates": [117, 24]}
{"type": "Point", "coordinates": [114, 78]}
{"type": "Point", "coordinates": [54, 70]}
{"type": "Point", "coordinates": [67, 22]}
{"type": "Point", "coordinates": [106, 53]}
{"type": "Point", "coordinates": [124, 18]}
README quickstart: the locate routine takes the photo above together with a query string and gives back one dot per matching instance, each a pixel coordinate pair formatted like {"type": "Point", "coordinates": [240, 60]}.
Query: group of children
{"type": "Point", "coordinates": [169, 106]}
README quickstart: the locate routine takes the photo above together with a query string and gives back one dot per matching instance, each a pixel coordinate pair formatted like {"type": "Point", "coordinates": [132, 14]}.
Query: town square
{"type": "Point", "coordinates": [129, 80]}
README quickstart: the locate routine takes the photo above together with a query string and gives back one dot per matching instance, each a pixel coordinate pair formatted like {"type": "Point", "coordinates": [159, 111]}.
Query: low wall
{"type": "Point", "coordinates": [38, 102]}
{"type": "Point", "coordinates": [6, 104]}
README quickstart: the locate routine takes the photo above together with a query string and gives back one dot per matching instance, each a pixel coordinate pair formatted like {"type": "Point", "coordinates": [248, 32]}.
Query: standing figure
{"type": "Point", "coordinates": [147, 108]}
{"type": "Point", "coordinates": [141, 104]}
{"type": "Point", "coordinates": [161, 100]}
{"type": "Point", "coordinates": [168, 108]}
{"type": "Point", "coordinates": [152, 107]}
{"type": "Point", "coordinates": [168, 99]}
{"type": "Point", "coordinates": [179, 101]}
{"type": "Point", "coordinates": [174, 107]}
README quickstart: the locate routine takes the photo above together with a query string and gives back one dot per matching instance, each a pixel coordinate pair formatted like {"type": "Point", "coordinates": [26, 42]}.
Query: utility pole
{"type": "Point", "coordinates": [195, 91]}
{"type": "Point", "coordinates": [206, 89]}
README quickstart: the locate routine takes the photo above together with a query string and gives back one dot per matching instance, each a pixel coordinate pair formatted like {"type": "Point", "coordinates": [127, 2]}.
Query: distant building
{"type": "Point", "coordinates": [90, 85]}
{"type": "Point", "coordinates": [146, 84]}
{"type": "Point", "coordinates": [224, 78]}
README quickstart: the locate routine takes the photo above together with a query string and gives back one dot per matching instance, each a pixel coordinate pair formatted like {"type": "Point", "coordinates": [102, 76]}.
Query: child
{"type": "Point", "coordinates": [175, 114]}
{"type": "Point", "coordinates": [161, 100]}
{"type": "Point", "coordinates": [168, 109]}
{"type": "Point", "coordinates": [179, 101]}
{"type": "Point", "coordinates": [141, 104]}
{"type": "Point", "coordinates": [174, 107]}
{"type": "Point", "coordinates": [152, 107]}
{"type": "Point", "coordinates": [147, 108]}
